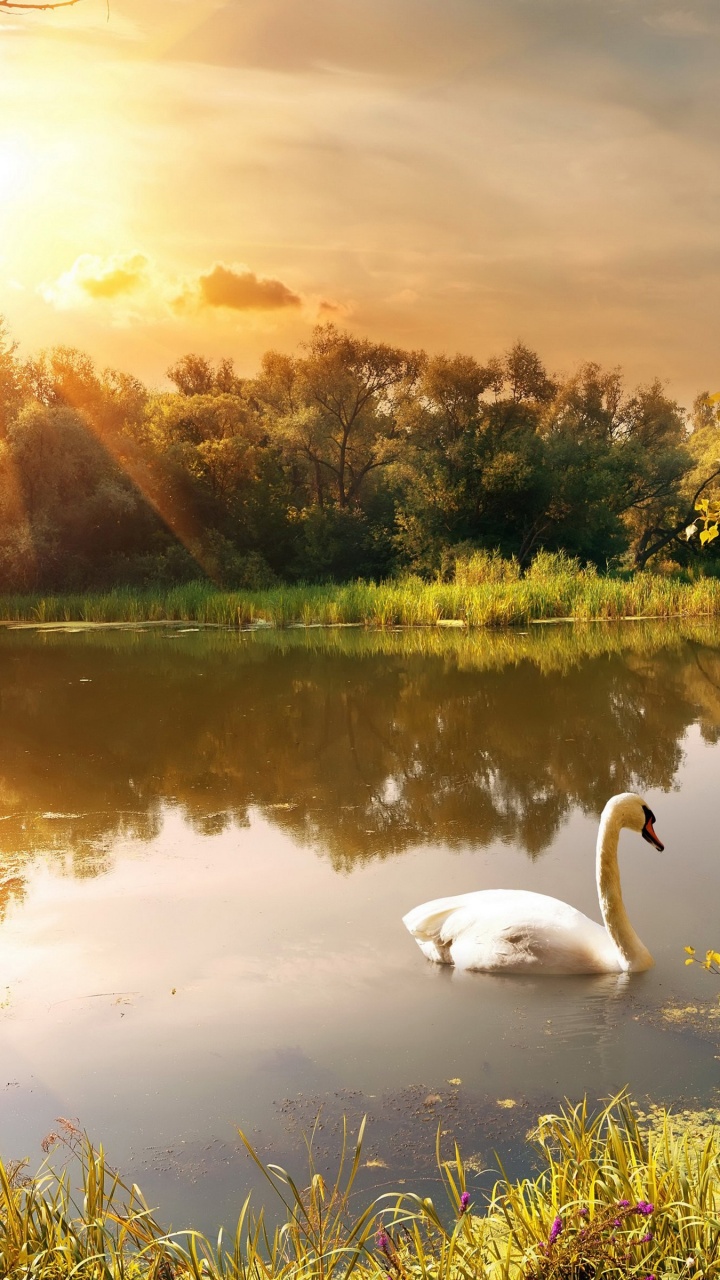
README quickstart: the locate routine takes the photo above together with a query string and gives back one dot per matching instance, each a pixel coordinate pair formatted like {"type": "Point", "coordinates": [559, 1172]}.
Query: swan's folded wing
{"type": "Point", "coordinates": [510, 930]}
{"type": "Point", "coordinates": [435, 925]}
{"type": "Point", "coordinates": [443, 919]}
{"type": "Point", "coordinates": [427, 920]}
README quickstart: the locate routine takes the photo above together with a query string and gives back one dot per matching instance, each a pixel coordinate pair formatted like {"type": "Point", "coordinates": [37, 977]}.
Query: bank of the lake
{"type": "Point", "coordinates": [622, 1193]}
{"type": "Point", "coordinates": [406, 602]}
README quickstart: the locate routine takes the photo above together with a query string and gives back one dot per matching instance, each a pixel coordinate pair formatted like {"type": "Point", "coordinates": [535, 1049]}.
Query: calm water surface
{"type": "Point", "coordinates": [208, 840]}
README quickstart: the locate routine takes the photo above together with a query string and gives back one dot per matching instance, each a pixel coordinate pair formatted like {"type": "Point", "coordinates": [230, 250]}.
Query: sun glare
{"type": "Point", "coordinates": [16, 168]}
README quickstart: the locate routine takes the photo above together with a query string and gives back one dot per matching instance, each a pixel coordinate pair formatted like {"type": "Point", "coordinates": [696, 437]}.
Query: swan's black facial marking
{"type": "Point", "coordinates": [648, 832]}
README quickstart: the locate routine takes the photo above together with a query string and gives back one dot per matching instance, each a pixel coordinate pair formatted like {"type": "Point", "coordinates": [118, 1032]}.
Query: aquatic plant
{"type": "Point", "coordinates": [488, 593]}
{"type": "Point", "coordinates": [615, 1196]}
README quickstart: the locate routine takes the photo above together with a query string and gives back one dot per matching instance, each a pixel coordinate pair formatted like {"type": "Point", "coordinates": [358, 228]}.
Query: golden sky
{"type": "Point", "coordinates": [185, 175]}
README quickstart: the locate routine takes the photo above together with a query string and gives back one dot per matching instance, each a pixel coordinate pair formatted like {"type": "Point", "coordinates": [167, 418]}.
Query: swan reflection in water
{"type": "Point", "coordinates": [514, 931]}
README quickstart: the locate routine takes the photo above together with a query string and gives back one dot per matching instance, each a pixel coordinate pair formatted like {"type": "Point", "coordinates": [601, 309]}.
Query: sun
{"type": "Point", "coordinates": [16, 167]}
{"type": "Point", "coordinates": [31, 198]}
{"type": "Point", "coordinates": [20, 190]}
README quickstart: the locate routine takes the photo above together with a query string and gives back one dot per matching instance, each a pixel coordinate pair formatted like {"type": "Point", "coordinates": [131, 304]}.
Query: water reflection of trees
{"type": "Point", "coordinates": [362, 748]}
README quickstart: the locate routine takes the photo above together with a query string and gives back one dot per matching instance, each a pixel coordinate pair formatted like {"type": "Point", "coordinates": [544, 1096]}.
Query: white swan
{"type": "Point", "coordinates": [514, 931]}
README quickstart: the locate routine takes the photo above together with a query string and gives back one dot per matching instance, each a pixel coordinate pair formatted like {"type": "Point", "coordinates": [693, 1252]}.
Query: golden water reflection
{"type": "Point", "coordinates": [361, 744]}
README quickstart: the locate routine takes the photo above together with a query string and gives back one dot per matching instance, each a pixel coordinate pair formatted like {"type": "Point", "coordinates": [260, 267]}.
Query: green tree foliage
{"type": "Point", "coordinates": [218, 481]}
{"type": "Point", "coordinates": [671, 515]}
{"type": "Point", "coordinates": [66, 508]}
{"type": "Point", "coordinates": [704, 519]}
{"type": "Point", "coordinates": [337, 408]}
{"type": "Point", "coordinates": [11, 381]}
{"type": "Point", "coordinates": [196, 376]}
{"type": "Point", "coordinates": [336, 411]}
{"type": "Point", "coordinates": [348, 458]}
{"type": "Point", "coordinates": [505, 457]}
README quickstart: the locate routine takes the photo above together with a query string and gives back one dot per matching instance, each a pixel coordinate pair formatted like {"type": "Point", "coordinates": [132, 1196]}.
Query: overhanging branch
{"type": "Point", "coordinates": [644, 552]}
{"type": "Point", "coordinates": [28, 5]}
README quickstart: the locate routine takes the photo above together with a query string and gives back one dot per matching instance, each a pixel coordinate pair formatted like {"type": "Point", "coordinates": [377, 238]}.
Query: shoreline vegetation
{"type": "Point", "coordinates": [554, 589]}
{"type": "Point", "coordinates": [349, 459]}
{"type": "Point", "coordinates": [621, 1193]}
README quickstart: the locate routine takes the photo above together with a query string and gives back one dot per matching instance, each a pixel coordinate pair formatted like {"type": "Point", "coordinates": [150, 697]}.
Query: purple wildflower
{"type": "Point", "coordinates": [382, 1240]}
{"type": "Point", "coordinates": [646, 1238]}
{"type": "Point", "coordinates": [623, 1204]}
{"type": "Point", "coordinates": [555, 1230]}
{"type": "Point", "coordinates": [650, 1277]}
{"type": "Point", "coordinates": [617, 1222]}
{"type": "Point", "coordinates": [464, 1202]}
{"type": "Point", "coordinates": [583, 1211]}
{"type": "Point", "coordinates": [644, 1207]}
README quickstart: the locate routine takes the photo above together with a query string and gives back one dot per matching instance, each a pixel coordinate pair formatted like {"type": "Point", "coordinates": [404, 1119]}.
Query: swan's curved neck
{"type": "Point", "coordinates": [633, 954]}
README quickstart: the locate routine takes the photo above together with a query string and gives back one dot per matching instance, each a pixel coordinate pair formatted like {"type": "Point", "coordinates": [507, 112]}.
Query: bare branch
{"type": "Point", "coordinates": [28, 5]}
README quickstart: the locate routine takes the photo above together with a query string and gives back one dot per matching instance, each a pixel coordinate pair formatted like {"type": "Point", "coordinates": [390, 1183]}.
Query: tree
{"type": "Point", "coordinates": [664, 515]}
{"type": "Point", "coordinates": [217, 477]}
{"type": "Point", "coordinates": [195, 375]}
{"type": "Point", "coordinates": [704, 518]}
{"type": "Point", "coordinates": [337, 408]}
{"type": "Point", "coordinates": [11, 379]}
{"type": "Point", "coordinates": [67, 511]}
{"type": "Point", "coordinates": [346, 458]}
{"type": "Point", "coordinates": [505, 456]}
{"type": "Point", "coordinates": [471, 471]}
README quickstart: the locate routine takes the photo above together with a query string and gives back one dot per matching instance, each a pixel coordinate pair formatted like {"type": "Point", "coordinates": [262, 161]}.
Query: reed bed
{"type": "Point", "coordinates": [617, 1195]}
{"type": "Point", "coordinates": [407, 602]}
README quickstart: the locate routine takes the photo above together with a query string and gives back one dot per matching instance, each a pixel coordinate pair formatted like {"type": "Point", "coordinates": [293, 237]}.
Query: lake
{"type": "Point", "coordinates": [209, 839]}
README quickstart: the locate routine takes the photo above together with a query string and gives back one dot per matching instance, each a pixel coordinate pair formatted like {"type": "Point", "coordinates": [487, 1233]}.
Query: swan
{"type": "Point", "coordinates": [514, 931]}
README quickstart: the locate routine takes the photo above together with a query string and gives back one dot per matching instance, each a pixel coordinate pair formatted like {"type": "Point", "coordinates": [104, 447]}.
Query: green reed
{"type": "Point", "coordinates": [485, 593]}
{"type": "Point", "coordinates": [618, 1194]}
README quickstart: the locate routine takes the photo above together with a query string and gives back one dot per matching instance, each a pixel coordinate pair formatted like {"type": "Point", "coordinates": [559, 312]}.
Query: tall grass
{"type": "Point", "coordinates": [487, 592]}
{"type": "Point", "coordinates": [616, 1195]}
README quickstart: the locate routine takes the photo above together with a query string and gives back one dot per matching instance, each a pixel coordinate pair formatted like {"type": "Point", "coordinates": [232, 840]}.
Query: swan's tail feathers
{"type": "Point", "coordinates": [426, 924]}
{"type": "Point", "coordinates": [432, 951]}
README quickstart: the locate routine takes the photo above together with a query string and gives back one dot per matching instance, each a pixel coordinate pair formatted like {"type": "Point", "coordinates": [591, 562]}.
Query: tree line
{"type": "Point", "coordinates": [349, 458]}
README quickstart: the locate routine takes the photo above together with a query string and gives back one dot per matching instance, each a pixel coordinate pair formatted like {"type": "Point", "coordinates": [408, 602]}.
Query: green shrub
{"type": "Point", "coordinates": [485, 566]}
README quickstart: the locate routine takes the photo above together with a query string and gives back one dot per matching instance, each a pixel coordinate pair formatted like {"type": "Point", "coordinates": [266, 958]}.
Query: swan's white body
{"type": "Point", "coordinates": [514, 931]}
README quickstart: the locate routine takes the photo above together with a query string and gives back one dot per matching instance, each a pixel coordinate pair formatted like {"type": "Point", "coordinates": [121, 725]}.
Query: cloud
{"type": "Point", "coordinates": [242, 290]}
{"type": "Point", "coordinates": [91, 277]}
{"type": "Point", "coordinates": [132, 284]}
{"type": "Point", "coordinates": [651, 56]}
{"type": "Point", "coordinates": [132, 288]}
{"type": "Point", "coordinates": [396, 36]}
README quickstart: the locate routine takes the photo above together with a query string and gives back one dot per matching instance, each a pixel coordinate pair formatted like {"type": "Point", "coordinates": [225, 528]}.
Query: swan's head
{"type": "Point", "coordinates": [631, 811]}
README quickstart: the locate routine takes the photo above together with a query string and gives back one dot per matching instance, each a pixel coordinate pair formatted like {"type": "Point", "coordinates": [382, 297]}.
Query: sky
{"type": "Point", "coordinates": [193, 175]}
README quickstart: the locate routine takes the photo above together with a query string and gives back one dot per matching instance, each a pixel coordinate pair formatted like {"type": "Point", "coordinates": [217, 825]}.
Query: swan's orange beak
{"type": "Point", "coordinates": [648, 833]}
